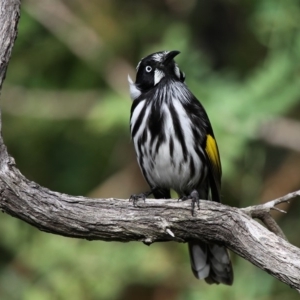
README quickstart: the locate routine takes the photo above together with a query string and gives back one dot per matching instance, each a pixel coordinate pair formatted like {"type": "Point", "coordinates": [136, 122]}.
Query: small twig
{"type": "Point", "coordinates": [286, 198]}
{"type": "Point", "coordinates": [262, 212]}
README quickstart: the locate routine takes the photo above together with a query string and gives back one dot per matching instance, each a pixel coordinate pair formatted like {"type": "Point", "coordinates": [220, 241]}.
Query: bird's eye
{"type": "Point", "coordinates": [148, 69]}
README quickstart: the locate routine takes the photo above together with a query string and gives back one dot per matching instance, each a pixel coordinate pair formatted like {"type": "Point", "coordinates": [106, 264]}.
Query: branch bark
{"type": "Point", "coordinates": [152, 221]}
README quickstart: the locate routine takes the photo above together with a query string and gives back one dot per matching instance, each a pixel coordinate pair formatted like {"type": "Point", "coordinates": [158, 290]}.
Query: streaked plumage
{"type": "Point", "coordinates": [176, 149]}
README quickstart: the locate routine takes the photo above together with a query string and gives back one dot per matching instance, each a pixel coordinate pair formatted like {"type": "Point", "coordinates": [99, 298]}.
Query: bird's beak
{"type": "Point", "coordinates": [169, 57]}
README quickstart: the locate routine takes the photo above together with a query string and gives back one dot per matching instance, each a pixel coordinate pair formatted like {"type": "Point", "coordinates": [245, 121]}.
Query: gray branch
{"type": "Point", "coordinates": [152, 221]}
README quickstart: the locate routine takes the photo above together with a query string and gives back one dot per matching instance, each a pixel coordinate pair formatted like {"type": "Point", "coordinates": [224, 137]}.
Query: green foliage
{"type": "Point", "coordinates": [68, 130]}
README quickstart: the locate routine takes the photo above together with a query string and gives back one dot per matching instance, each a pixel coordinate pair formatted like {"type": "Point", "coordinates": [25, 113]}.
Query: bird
{"type": "Point", "coordinates": [176, 150]}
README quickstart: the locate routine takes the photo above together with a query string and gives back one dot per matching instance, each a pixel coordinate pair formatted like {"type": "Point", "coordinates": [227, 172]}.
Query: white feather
{"type": "Point", "coordinates": [158, 75]}
{"type": "Point", "coordinates": [177, 71]}
{"type": "Point", "coordinates": [136, 113]}
{"type": "Point", "coordinates": [162, 169]}
{"type": "Point", "coordinates": [134, 91]}
{"type": "Point", "coordinates": [160, 56]}
{"type": "Point", "coordinates": [134, 118]}
{"type": "Point", "coordinates": [138, 65]}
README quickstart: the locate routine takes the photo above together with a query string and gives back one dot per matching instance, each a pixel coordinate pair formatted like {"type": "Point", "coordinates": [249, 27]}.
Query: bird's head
{"type": "Point", "coordinates": [152, 70]}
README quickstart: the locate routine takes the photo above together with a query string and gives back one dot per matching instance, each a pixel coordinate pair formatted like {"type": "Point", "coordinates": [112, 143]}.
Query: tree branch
{"type": "Point", "coordinates": [9, 18]}
{"type": "Point", "coordinates": [153, 221]}
{"type": "Point", "coordinates": [262, 212]}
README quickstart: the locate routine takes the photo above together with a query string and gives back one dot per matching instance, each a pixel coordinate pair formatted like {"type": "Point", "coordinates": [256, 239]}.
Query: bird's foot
{"type": "Point", "coordinates": [194, 196]}
{"type": "Point", "coordinates": [136, 197]}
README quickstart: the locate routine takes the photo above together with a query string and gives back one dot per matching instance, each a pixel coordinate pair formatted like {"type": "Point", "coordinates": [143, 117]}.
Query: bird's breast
{"type": "Point", "coordinates": [165, 145]}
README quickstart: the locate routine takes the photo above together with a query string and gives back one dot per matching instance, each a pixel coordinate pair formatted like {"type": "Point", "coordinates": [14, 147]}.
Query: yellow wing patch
{"type": "Point", "coordinates": [212, 151]}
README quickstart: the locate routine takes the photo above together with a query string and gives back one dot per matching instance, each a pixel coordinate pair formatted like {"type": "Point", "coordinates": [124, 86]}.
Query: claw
{"type": "Point", "coordinates": [195, 200]}
{"type": "Point", "coordinates": [136, 197]}
{"type": "Point", "coordinates": [194, 195]}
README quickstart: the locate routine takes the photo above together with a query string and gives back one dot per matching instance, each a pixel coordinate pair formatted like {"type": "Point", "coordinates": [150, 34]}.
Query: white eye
{"type": "Point", "coordinates": [148, 69]}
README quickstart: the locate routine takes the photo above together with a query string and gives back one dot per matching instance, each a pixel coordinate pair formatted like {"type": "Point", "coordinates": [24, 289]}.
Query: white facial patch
{"type": "Point", "coordinates": [177, 71]}
{"type": "Point", "coordinates": [134, 91]}
{"type": "Point", "coordinates": [158, 75]}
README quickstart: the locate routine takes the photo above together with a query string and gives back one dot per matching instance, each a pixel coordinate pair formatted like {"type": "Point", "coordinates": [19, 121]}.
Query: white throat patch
{"type": "Point", "coordinates": [158, 75]}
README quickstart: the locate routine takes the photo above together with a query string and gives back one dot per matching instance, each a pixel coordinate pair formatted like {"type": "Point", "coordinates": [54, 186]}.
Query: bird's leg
{"type": "Point", "coordinates": [195, 200]}
{"type": "Point", "coordinates": [194, 195]}
{"type": "Point", "coordinates": [136, 197]}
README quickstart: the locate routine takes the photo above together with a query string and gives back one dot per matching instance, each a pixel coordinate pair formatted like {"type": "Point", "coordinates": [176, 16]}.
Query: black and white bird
{"type": "Point", "coordinates": [176, 149]}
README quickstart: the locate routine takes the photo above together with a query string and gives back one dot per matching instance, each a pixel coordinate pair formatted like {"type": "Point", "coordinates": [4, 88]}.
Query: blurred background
{"type": "Point", "coordinates": [66, 107]}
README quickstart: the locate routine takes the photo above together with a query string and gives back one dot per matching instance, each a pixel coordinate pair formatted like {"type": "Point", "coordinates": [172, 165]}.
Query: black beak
{"type": "Point", "coordinates": [169, 57]}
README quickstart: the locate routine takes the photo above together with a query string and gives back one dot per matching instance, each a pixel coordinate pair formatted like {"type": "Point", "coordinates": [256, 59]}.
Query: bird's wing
{"type": "Point", "coordinates": [214, 166]}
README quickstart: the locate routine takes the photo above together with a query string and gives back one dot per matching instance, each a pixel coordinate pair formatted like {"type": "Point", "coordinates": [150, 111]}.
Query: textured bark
{"type": "Point", "coordinates": [152, 221]}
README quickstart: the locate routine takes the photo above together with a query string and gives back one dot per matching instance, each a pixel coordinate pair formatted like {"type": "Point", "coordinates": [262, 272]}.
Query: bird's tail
{"type": "Point", "coordinates": [210, 262]}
